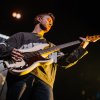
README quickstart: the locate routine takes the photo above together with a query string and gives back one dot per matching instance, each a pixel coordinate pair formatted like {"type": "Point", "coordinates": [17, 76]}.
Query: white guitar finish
{"type": "Point", "coordinates": [35, 48]}
{"type": "Point", "coordinates": [12, 66]}
{"type": "Point", "coordinates": [28, 69]}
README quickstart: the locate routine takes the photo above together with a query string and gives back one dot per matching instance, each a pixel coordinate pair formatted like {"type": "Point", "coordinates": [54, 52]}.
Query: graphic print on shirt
{"type": "Point", "coordinates": [31, 45]}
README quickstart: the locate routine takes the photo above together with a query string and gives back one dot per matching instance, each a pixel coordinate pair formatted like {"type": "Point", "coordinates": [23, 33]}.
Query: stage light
{"type": "Point", "coordinates": [16, 15]}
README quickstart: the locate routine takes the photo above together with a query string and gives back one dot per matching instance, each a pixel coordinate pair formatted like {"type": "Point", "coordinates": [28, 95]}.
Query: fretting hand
{"type": "Point", "coordinates": [94, 38]}
{"type": "Point", "coordinates": [89, 39]}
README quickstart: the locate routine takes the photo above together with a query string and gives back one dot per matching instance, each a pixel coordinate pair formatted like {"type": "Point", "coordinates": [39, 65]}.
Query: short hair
{"type": "Point", "coordinates": [42, 14]}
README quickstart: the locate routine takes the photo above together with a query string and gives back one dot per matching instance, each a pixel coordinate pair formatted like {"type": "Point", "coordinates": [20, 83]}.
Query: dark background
{"type": "Point", "coordinates": [74, 18]}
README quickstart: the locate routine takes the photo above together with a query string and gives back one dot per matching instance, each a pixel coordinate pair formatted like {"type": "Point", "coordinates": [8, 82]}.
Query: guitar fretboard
{"type": "Point", "coordinates": [56, 48]}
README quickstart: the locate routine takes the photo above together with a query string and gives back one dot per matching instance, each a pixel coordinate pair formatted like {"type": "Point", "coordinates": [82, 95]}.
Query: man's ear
{"type": "Point", "coordinates": [39, 18]}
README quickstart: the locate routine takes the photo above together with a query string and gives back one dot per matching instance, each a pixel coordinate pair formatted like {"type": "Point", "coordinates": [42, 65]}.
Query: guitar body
{"type": "Point", "coordinates": [24, 67]}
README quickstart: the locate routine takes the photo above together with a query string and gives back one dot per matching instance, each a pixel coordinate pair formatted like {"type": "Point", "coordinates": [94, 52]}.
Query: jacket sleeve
{"type": "Point", "coordinates": [68, 61]}
{"type": "Point", "coordinates": [5, 51]}
{"type": "Point", "coordinates": [7, 46]}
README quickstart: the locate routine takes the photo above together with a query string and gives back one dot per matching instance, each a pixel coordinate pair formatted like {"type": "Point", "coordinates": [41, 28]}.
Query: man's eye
{"type": "Point", "coordinates": [50, 24]}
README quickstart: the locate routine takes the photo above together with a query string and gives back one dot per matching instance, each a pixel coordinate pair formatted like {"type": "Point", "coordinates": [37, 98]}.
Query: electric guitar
{"type": "Point", "coordinates": [25, 66]}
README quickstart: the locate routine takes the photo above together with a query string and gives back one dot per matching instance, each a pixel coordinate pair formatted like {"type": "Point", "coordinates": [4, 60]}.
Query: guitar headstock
{"type": "Point", "coordinates": [93, 38]}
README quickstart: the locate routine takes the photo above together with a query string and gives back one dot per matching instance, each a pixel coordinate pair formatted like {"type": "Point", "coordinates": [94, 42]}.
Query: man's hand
{"type": "Point", "coordinates": [84, 43]}
{"type": "Point", "coordinates": [16, 55]}
{"type": "Point", "coordinates": [94, 38]}
{"type": "Point", "coordinates": [89, 39]}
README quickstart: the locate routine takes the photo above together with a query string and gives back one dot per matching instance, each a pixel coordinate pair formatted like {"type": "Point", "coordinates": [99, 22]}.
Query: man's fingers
{"type": "Point", "coordinates": [16, 50]}
{"type": "Point", "coordinates": [17, 59]}
{"type": "Point", "coordinates": [18, 53]}
{"type": "Point", "coordinates": [17, 56]}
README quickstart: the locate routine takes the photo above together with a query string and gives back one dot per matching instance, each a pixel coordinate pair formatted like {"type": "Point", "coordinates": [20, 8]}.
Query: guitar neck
{"type": "Point", "coordinates": [56, 48]}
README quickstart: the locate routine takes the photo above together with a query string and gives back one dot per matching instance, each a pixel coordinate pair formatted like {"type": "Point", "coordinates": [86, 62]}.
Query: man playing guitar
{"type": "Point", "coordinates": [32, 61]}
